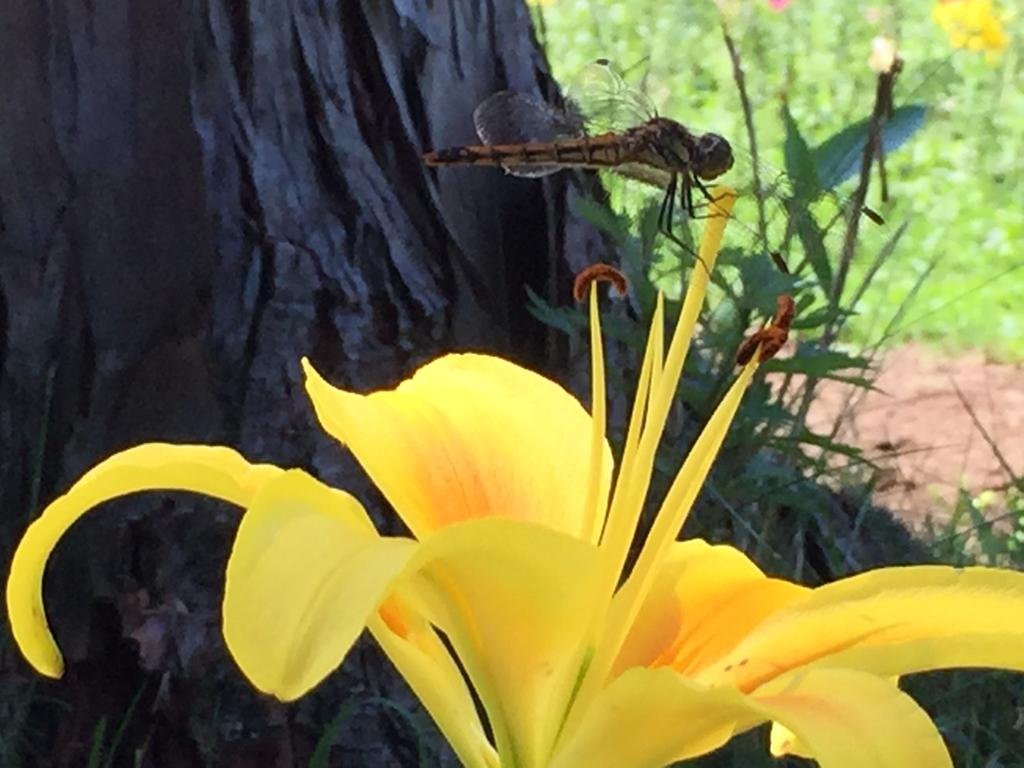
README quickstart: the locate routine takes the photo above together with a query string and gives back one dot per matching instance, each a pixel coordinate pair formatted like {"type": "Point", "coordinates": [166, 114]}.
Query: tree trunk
{"type": "Point", "coordinates": [192, 197]}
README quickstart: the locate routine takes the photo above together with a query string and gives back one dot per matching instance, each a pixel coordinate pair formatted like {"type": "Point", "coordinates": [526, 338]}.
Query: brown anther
{"type": "Point", "coordinates": [773, 341]}
{"type": "Point", "coordinates": [770, 338]}
{"type": "Point", "coordinates": [748, 347]}
{"type": "Point", "coordinates": [598, 273]}
{"type": "Point", "coordinates": [785, 310]}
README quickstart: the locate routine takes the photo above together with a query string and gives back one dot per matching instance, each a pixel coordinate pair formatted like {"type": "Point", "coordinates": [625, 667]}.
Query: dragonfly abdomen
{"type": "Point", "coordinates": [584, 152]}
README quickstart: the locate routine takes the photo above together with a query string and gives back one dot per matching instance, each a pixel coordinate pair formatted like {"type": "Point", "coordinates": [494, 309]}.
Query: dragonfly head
{"type": "Point", "coordinates": [713, 156]}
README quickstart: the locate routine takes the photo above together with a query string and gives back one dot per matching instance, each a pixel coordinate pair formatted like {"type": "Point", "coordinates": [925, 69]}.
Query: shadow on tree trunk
{"type": "Point", "coordinates": [194, 196]}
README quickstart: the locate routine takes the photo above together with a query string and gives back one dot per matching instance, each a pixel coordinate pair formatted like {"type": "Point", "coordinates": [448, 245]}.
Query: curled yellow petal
{"type": "Point", "coordinates": [306, 573]}
{"type": "Point", "coordinates": [516, 601]}
{"type": "Point", "coordinates": [470, 436]}
{"type": "Point", "coordinates": [211, 470]}
{"type": "Point", "coordinates": [848, 719]}
{"type": "Point", "coordinates": [425, 663]}
{"type": "Point", "coordinates": [704, 600]}
{"type": "Point", "coordinates": [784, 742]}
{"type": "Point", "coordinates": [891, 621]}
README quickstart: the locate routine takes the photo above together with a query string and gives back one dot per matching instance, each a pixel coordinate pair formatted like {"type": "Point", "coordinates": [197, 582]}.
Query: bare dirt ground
{"type": "Point", "coordinates": [922, 434]}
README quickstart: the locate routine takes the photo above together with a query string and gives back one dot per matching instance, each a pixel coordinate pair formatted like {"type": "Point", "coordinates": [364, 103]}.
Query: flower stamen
{"type": "Point", "coordinates": [600, 272]}
{"type": "Point", "coordinates": [770, 339]}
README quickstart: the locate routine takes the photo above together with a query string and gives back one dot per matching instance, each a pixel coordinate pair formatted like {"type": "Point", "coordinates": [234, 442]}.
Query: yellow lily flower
{"type": "Point", "coordinates": [517, 558]}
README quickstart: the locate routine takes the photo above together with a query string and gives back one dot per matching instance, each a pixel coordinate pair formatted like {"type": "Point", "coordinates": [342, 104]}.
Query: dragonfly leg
{"type": "Point", "coordinates": [686, 198]}
{"type": "Point", "coordinates": [668, 209]}
{"type": "Point", "coordinates": [704, 190]}
{"type": "Point", "coordinates": [709, 199]}
{"type": "Point", "coordinates": [686, 195]}
{"type": "Point", "coordinates": [665, 213]}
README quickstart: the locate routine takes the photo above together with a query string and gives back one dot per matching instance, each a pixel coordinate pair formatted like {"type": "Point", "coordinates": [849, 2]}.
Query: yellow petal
{"type": "Point", "coordinates": [848, 719]}
{"type": "Point", "coordinates": [705, 599]}
{"type": "Point", "coordinates": [305, 575]}
{"type": "Point", "coordinates": [470, 436]}
{"type": "Point", "coordinates": [784, 742]}
{"type": "Point", "coordinates": [516, 601]}
{"type": "Point", "coordinates": [652, 717]}
{"type": "Point", "coordinates": [891, 621]}
{"type": "Point", "coordinates": [424, 662]}
{"type": "Point", "coordinates": [211, 470]}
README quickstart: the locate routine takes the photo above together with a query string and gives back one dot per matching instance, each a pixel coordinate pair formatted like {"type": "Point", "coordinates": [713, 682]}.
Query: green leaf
{"type": "Point", "coordinates": [762, 283]}
{"type": "Point", "coordinates": [800, 163]}
{"type": "Point", "coordinates": [570, 321]}
{"type": "Point", "coordinates": [812, 237]}
{"type": "Point", "coordinates": [819, 317]}
{"type": "Point", "coordinates": [838, 157]}
{"type": "Point", "coordinates": [881, 257]}
{"type": "Point", "coordinates": [856, 381]}
{"type": "Point", "coordinates": [122, 727]}
{"type": "Point", "coordinates": [96, 747]}
{"type": "Point", "coordinates": [601, 216]}
{"type": "Point", "coordinates": [806, 437]}
{"type": "Point", "coordinates": [647, 226]}
{"type": "Point", "coordinates": [322, 752]}
{"type": "Point", "coordinates": [814, 362]}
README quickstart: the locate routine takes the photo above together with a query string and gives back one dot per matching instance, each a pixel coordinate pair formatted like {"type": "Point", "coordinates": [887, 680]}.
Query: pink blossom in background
{"type": "Point", "coordinates": [779, 5]}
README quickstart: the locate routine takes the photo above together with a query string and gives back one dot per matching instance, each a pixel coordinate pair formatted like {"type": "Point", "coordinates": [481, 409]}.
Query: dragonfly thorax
{"type": "Point", "coordinates": [673, 147]}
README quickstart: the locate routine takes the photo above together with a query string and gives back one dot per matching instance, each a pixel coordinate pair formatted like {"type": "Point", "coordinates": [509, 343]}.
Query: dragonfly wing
{"type": "Point", "coordinates": [507, 117]}
{"type": "Point", "coordinates": [600, 95]}
{"type": "Point", "coordinates": [797, 220]}
{"type": "Point", "coordinates": [777, 184]}
{"type": "Point", "coordinates": [532, 171]}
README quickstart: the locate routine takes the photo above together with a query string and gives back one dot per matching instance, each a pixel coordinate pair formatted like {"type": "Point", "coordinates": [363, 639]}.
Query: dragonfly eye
{"type": "Point", "coordinates": [715, 156]}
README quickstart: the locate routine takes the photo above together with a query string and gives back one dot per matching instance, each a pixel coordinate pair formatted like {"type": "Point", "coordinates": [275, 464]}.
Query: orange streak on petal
{"type": "Point", "coordinates": [392, 615]}
{"type": "Point", "coordinates": [470, 436]}
{"type": "Point", "coordinates": [712, 630]}
{"type": "Point", "coordinates": [705, 599]}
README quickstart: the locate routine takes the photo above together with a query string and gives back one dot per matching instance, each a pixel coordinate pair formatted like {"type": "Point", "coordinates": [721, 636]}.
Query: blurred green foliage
{"type": "Point", "coordinates": [957, 185]}
{"type": "Point", "coordinates": [972, 534]}
{"type": "Point", "coordinates": [940, 269]}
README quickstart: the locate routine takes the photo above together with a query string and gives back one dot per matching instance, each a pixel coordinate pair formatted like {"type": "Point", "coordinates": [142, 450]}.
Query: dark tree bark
{"type": "Point", "coordinates": [193, 196]}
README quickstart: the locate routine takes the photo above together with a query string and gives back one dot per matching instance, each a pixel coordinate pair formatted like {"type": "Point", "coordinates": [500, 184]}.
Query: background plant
{"type": "Point", "coordinates": [955, 185]}
{"type": "Point", "coordinates": [941, 269]}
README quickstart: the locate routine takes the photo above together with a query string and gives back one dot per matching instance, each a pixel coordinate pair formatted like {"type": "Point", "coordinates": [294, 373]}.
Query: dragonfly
{"type": "Point", "coordinates": [532, 139]}
{"type": "Point", "coordinates": [609, 125]}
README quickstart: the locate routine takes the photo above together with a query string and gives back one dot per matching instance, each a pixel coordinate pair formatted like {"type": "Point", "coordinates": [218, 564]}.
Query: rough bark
{"type": "Point", "coordinates": [193, 196]}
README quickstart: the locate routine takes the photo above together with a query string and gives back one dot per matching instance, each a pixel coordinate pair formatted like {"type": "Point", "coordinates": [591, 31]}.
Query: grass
{"type": "Point", "coordinates": [957, 183]}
